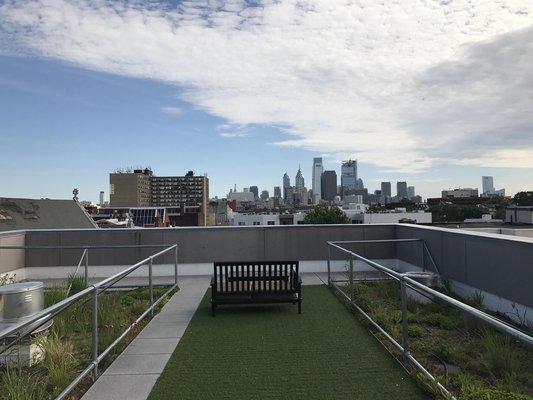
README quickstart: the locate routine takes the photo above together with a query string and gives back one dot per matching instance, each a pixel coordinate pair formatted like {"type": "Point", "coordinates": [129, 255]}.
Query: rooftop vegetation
{"type": "Point", "coordinates": [472, 360]}
{"type": "Point", "coordinates": [67, 345]}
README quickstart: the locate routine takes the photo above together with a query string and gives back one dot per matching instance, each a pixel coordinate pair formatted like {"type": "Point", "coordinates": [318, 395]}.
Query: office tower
{"type": "Point", "coordinates": [410, 192]}
{"type": "Point", "coordinates": [318, 169]}
{"type": "Point", "coordinates": [299, 180]}
{"type": "Point", "coordinates": [277, 192]}
{"type": "Point", "coordinates": [401, 190]}
{"type": "Point", "coordinates": [487, 184]}
{"type": "Point", "coordinates": [386, 189]}
{"type": "Point", "coordinates": [329, 185]}
{"type": "Point", "coordinates": [130, 188]}
{"type": "Point", "coordinates": [264, 195]}
{"type": "Point", "coordinates": [349, 175]}
{"type": "Point", "coordinates": [101, 198]}
{"type": "Point", "coordinates": [255, 191]}
{"type": "Point", "coordinates": [286, 184]}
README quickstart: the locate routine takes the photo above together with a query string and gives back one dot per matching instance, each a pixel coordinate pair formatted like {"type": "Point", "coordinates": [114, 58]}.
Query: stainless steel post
{"type": "Point", "coordinates": [350, 277]}
{"type": "Point", "coordinates": [329, 264]}
{"type": "Point", "coordinates": [86, 273]}
{"type": "Point", "coordinates": [405, 322]}
{"type": "Point", "coordinates": [95, 333]}
{"type": "Point", "coordinates": [176, 265]}
{"type": "Point", "coordinates": [150, 263]}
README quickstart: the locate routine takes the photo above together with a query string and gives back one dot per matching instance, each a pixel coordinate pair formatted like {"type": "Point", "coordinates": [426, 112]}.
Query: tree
{"type": "Point", "coordinates": [326, 215]}
{"type": "Point", "coordinates": [523, 198]}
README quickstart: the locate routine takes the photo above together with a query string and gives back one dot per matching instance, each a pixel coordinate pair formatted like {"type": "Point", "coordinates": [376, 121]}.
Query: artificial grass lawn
{"type": "Point", "coordinates": [271, 352]}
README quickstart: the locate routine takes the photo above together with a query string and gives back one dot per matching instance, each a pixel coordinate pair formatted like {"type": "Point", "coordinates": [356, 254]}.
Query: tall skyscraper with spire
{"type": "Point", "coordinates": [299, 181]}
{"type": "Point", "coordinates": [318, 169]}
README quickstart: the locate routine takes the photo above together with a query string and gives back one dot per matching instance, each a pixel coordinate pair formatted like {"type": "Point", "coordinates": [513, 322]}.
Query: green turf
{"type": "Point", "coordinates": [271, 352]}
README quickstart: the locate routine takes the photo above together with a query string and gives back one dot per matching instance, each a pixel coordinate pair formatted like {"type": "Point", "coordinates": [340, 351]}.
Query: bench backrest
{"type": "Point", "coordinates": [246, 277]}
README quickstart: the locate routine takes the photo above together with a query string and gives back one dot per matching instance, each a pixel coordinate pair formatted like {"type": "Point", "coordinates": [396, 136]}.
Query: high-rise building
{"type": "Point", "coordinates": [329, 185]}
{"type": "Point", "coordinates": [386, 189]}
{"type": "Point", "coordinates": [487, 184]}
{"type": "Point", "coordinates": [299, 181]}
{"type": "Point", "coordinates": [286, 184]}
{"type": "Point", "coordinates": [401, 190]}
{"type": "Point", "coordinates": [410, 192]}
{"type": "Point", "coordinates": [277, 192]}
{"type": "Point", "coordinates": [101, 198]}
{"type": "Point", "coordinates": [130, 188]}
{"type": "Point", "coordinates": [318, 169]}
{"type": "Point", "coordinates": [349, 176]}
{"type": "Point", "coordinates": [184, 197]}
{"type": "Point", "coordinates": [255, 191]}
{"type": "Point", "coordinates": [264, 195]}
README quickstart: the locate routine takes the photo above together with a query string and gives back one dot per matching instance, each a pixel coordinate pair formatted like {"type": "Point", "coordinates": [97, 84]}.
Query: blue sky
{"type": "Point", "coordinates": [221, 94]}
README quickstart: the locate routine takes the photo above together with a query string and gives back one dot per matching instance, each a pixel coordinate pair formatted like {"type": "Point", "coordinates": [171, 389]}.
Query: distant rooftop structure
{"type": "Point", "coordinates": [18, 214]}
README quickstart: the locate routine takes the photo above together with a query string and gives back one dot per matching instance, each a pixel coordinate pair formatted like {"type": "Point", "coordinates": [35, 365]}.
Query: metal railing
{"type": "Point", "coordinates": [18, 332]}
{"type": "Point", "coordinates": [406, 282]}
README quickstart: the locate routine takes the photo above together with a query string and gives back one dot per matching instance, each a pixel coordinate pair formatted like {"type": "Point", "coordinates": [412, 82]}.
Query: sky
{"type": "Point", "coordinates": [436, 93]}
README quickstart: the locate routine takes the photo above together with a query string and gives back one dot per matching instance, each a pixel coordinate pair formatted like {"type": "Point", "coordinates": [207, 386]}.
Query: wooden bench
{"type": "Point", "coordinates": [256, 282]}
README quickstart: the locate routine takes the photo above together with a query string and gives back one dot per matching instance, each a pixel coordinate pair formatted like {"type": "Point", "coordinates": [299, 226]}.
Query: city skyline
{"type": "Point", "coordinates": [185, 90]}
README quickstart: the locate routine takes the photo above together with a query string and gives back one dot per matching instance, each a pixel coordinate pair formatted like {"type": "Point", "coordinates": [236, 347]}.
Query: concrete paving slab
{"type": "Point", "coordinates": [122, 387]}
{"type": "Point", "coordinates": [163, 331]}
{"type": "Point", "coordinates": [151, 346]}
{"type": "Point", "coordinates": [132, 364]}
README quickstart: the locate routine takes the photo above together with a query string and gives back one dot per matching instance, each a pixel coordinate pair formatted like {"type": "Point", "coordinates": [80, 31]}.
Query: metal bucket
{"type": "Point", "coordinates": [19, 302]}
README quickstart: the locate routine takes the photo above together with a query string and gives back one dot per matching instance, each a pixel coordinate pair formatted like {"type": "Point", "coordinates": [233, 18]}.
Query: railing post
{"type": "Point", "coordinates": [350, 277]}
{"type": "Point", "coordinates": [150, 263]}
{"type": "Point", "coordinates": [86, 273]}
{"type": "Point", "coordinates": [405, 322]}
{"type": "Point", "coordinates": [176, 265]}
{"type": "Point", "coordinates": [95, 334]}
{"type": "Point", "coordinates": [329, 263]}
{"type": "Point", "coordinates": [423, 257]}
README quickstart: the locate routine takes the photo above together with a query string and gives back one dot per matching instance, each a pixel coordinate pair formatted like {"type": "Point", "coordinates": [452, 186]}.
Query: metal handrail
{"type": "Point", "coordinates": [45, 315]}
{"type": "Point", "coordinates": [405, 282]}
{"type": "Point", "coordinates": [117, 246]}
{"type": "Point", "coordinates": [424, 246]}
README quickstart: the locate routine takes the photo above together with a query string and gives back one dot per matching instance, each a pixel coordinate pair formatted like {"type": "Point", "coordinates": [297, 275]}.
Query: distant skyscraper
{"type": "Point", "coordinates": [102, 198]}
{"type": "Point", "coordinates": [286, 184]}
{"type": "Point", "coordinates": [401, 190]}
{"type": "Point", "coordinates": [264, 195]}
{"type": "Point", "coordinates": [386, 189]}
{"type": "Point", "coordinates": [299, 181]}
{"type": "Point", "coordinates": [277, 192]}
{"type": "Point", "coordinates": [349, 175]}
{"type": "Point", "coordinates": [255, 191]}
{"type": "Point", "coordinates": [329, 185]}
{"type": "Point", "coordinates": [410, 192]}
{"type": "Point", "coordinates": [318, 169]}
{"type": "Point", "coordinates": [488, 184]}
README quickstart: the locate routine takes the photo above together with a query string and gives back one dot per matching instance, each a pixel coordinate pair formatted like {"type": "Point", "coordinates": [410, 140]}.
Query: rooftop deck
{"type": "Point", "coordinates": [269, 351]}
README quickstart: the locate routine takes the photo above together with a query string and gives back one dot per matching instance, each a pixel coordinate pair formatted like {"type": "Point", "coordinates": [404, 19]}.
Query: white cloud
{"type": "Point", "coordinates": [175, 111]}
{"type": "Point", "coordinates": [403, 85]}
{"type": "Point", "coordinates": [232, 131]}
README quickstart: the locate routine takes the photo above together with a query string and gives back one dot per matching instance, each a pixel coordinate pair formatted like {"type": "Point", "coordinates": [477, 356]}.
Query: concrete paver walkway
{"type": "Point", "coordinates": [133, 374]}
